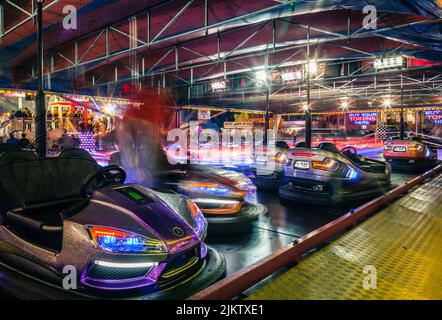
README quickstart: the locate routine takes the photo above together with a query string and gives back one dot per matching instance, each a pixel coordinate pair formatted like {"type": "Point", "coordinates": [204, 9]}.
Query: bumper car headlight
{"type": "Point", "coordinates": [210, 188]}
{"type": "Point", "coordinates": [418, 148]}
{"type": "Point", "coordinates": [281, 158]}
{"type": "Point", "coordinates": [115, 240]}
{"type": "Point", "coordinates": [327, 165]}
{"type": "Point", "coordinates": [351, 174]}
{"type": "Point", "coordinates": [200, 225]}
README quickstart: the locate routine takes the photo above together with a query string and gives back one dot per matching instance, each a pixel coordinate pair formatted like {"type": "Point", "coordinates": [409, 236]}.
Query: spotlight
{"type": "Point", "coordinates": [305, 106]}
{"type": "Point", "coordinates": [261, 76]}
{"type": "Point", "coordinates": [387, 103]}
{"type": "Point", "coordinates": [344, 105]}
{"type": "Point", "coordinates": [109, 109]}
{"type": "Point", "coordinates": [311, 68]}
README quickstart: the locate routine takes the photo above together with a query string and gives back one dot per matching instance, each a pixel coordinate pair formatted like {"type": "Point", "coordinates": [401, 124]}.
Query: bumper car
{"type": "Point", "coordinates": [409, 154]}
{"type": "Point", "coordinates": [226, 198]}
{"type": "Point", "coordinates": [268, 171]}
{"type": "Point", "coordinates": [324, 175]}
{"type": "Point", "coordinates": [67, 216]}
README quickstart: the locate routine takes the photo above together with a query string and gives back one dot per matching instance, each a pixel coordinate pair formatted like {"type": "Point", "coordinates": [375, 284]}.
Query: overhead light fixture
{"type": "Point", "coordinates": [390, 63]}
{"type": "Point", "coordinates": [345, 105]}
{"type": "Point", "coordinates": [305, 106]}
{"type": "Point", "coordinates": [220, 85]}
{"type": "Point", "coordinates": [261, 76]}
{"type": "Point", "coordinates": [387, 103]}
{"type": "Point", "coordinates": [109, 109]}
{"type": "Point", "coordinates": [311, 67]}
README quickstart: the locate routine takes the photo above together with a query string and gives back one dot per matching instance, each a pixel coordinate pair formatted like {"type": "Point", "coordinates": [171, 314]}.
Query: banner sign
{"type": "Point", "coordinates": [367, 118]}
{"type": "Point", "coordinates": [434, 116]}
{"type": "Point", "coordinates": [238, 125]}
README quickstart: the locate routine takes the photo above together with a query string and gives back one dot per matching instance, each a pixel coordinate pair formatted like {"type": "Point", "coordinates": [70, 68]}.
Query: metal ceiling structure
{"type": "Point", "coordinates": [187, 44]}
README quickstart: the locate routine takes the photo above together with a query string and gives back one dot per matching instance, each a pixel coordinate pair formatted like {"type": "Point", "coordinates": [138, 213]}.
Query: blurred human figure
{"type": "Point", "coordinates": [141, 133]}
{"type": "Point", "coordinates": [66, 141]}
{"type": "Point", "coordinates": [24, 141]}
{"type": "Point", "coordinates": [12, 139]}
{"type": "Point", "coordinates": [76, 142]}
{"type": "Point", "coordinates": [19, 114]}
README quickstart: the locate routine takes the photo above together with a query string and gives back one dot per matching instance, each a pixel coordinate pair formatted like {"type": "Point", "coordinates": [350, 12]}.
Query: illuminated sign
{"type": "Point", "coordinates": [204, 114]}
{"type": "Point", "coordinates": [434, 116]}
{"type": "Point", "coordinates": [390, 63]}
{"type": "Point", "coordinates": [77, 98]}
{"type": "Point", "coordinates": [238, 125]}
{"type": "Point", "coordinates": [291, 76]}
{"type": "Point", "coordinates": [363, 118]}
{"type": "Point", "coordinates": [217, 86]}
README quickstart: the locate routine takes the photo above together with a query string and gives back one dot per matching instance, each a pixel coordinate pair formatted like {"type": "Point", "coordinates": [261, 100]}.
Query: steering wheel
{"type": "Point", "coordinates": [103, 177]}
{"type": "Point", "coordinates": [351, 150]}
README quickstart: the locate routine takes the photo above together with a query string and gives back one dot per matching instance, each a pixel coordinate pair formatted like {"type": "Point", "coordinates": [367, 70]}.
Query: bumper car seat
{"type": "Point", "coordinates": [301, 145]}
{"type": "Point", "coordinates": [37, 193]}
{"type": "Point", "coordinates": [327, 146]}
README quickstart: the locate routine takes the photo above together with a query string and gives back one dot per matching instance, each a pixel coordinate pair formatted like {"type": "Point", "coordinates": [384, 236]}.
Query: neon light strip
{"type": "Point", "coordinates": [217, 201]}
{"type": "Point", "coordinates": [125, 265]}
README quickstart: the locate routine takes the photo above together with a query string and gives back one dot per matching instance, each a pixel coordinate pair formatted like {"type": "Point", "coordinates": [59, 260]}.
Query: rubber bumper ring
{"type": "Point", "coordinates": [23, 286]}
{"type": "Point", "coordinates": [235, 223]}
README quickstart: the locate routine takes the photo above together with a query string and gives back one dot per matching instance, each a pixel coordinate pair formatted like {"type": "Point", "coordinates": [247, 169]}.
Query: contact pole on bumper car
{"type": "Point", "coordinates": [40, 118]}
{"type": "Point", "coordinates": [267, 114]}
{"type": "Point", "coordinates": [402, 123]}
{"type": "Point", "coordinates": [308, 115]}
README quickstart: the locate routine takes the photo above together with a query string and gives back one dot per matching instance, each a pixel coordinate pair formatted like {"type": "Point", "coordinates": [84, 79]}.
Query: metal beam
{"type": "Point", "coordinates": [161, 59]}
{"type": "Point", "coordinates": [92, 45]}
{"type": "Point", "coordinates": [24, 21]}
{"type": "Point", "coordinates": [136, 39]}
{"type": "Point", "coordinates": [18, 8]}
{"type": "Point", "coordinates": [171, 22]}
{"type": "Point", "coordinates": [218, 25]}
{"type": "Point", "coordinates": [2, 22]}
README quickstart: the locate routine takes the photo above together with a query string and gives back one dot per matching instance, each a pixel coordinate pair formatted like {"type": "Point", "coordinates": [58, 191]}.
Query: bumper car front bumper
{"type": "Point", "coordinates": [320, 193]}
{"type": "Point", "coordinates": [235, 223]}
{"type": "Point", "coordinates": [19, 284]}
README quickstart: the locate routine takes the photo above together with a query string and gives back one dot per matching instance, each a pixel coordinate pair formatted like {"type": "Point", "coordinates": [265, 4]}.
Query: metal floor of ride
{"type": "Point", "coordinates": [402, 242]}
{"type": "Point", "coordinates": [284, 222]}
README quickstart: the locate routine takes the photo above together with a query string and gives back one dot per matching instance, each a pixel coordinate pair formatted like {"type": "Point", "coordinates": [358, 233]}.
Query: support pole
{"type": "Point", "coordinates": [419, 123]}
{"type": "Point", "coordinates": [402, 124]}
{"type": "Point", "coordinates": [2, 22]}
{"type": "Point", "coordinates": [40, 117]}
{"type": "Point", "coordinates": [267, 115]}
{"type": "Point", "coordinates": [206, 16]}
{"type": "Point", "coordinates": [308, 115]}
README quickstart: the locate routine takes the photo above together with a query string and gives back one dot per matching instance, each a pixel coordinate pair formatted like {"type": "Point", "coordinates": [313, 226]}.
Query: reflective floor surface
{"type": "Point", "coordinates": [284, 222]}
